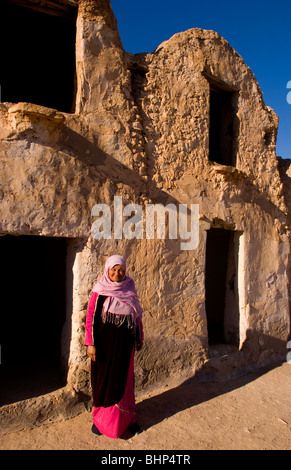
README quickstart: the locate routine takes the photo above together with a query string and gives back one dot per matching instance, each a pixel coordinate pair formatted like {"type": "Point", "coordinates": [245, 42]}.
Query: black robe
{"type": "Point", "coordinates": [114, 345]}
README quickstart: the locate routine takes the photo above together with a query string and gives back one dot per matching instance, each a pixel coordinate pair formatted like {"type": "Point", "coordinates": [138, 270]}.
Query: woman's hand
{"type": "Point", "coordinates": [91, 351]}
{"type": "Point", "coordinates": [138, 345]}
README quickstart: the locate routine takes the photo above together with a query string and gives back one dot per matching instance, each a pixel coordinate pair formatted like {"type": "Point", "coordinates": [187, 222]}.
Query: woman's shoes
{"type": "Point", "coordinates": [96, 431]}
{"type": "Point", "coordinates": [134, 429]}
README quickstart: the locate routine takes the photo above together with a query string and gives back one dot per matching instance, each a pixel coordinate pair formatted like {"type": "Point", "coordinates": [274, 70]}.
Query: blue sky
{"type": "Point", "coordinates": [259, 31]}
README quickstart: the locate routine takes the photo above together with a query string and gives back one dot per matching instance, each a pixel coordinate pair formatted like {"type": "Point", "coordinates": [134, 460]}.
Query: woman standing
{"type": "Point", "coordinates": [113, 331]}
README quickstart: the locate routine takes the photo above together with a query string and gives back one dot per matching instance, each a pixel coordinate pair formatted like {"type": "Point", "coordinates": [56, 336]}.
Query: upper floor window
{"type": "Point", "coordinates": [222, 125]}
{"type": "Point", "coordinates": [37, 45]}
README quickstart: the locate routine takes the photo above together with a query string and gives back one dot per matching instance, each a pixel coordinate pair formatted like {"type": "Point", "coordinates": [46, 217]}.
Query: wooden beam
{"type": "Point", "coordinates": [52, 7]}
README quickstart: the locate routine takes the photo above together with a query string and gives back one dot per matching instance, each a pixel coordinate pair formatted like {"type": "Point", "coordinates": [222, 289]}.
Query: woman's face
{"type": "Point", "coordinates": [117, 273]}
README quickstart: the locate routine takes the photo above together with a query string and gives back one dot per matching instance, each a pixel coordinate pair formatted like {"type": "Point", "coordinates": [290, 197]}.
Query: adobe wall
{"type": "Point", "coordinates": [141, 131]}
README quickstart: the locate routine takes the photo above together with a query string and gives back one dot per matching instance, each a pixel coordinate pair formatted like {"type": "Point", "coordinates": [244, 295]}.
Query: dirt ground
{"type": "Point", "coordinates": [249, 413]}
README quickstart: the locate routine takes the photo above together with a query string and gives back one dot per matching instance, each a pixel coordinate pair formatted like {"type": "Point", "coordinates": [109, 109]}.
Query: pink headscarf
{"type": "Point", "coordinates": [123, 298]}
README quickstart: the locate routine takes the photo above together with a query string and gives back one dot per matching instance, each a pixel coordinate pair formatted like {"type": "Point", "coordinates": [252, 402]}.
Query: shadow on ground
{"type": "Point", "coordinates": [156, 409]}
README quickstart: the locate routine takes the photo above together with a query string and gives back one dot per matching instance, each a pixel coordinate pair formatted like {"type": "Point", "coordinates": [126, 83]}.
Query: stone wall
{"type": "Point", "coordinates": [141, 131]}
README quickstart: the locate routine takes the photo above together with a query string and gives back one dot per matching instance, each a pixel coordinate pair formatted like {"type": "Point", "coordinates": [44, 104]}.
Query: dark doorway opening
{"type": "Point", "coordinates": [33, 312]}
{"type": "Point", "coordinates": [221, 131]}
{"type": "Point", "coordinates": [37, 56]}
{"type": "Point", "coordinates": [221, 285]}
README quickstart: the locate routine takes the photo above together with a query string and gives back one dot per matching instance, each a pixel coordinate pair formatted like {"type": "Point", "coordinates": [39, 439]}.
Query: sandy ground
{"type": "Point", "coordinates": [249, 413]}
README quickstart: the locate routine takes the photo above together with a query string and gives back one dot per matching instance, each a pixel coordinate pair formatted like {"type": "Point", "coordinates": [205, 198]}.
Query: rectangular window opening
{"type": "Point", "coordinates": [221, 285]}
{"type": "Point", "coordinates": [37, 47]}
{"type": "Point", "coordinates": [33, 315]}
{"type": "Point", "coordinates": [222, 126]}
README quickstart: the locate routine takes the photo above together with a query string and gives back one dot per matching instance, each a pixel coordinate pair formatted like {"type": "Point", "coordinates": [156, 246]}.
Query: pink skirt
{"type": "Point", "coordinates": [114, 420]}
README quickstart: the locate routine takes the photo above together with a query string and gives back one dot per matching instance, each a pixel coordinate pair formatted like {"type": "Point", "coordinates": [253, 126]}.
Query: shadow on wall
{"type": "Point", "coordinates": [104, 167]}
